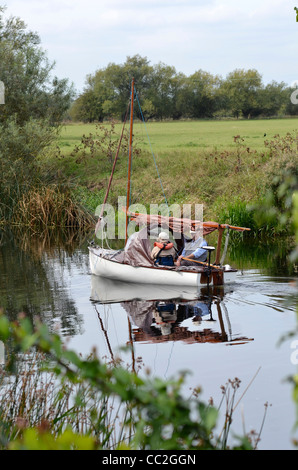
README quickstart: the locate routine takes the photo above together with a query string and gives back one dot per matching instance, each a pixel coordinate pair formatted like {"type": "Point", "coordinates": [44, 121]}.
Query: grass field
{"type": "Point", "coordinates": [198, 162]}
{"type": "Point", "coordinates": [194, 135]}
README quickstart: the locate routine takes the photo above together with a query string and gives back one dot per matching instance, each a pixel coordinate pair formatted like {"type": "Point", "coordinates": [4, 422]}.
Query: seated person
{"type": "Point", "coordinates": [193, 251]}
{"type": "Point", "coordinates": [163, 252]}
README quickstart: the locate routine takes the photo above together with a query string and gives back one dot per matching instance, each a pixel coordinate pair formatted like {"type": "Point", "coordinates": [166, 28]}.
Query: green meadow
{"type": "Point", "coordinates": [200, 135]}
{"type": "Point", "coordinates": [223, 165]}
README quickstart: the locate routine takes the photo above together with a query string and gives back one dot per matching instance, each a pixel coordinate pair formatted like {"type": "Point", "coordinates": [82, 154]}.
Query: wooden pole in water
{"type": "Point", "coordinates": [129, 157]}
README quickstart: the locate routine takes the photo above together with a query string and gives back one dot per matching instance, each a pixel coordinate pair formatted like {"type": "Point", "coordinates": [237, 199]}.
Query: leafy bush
{"type": "Point", "coordinates": [152, 413]}
{"type": "Point", "coordinates": [33, 110]}
{"type": "Point", "coordinates": [280, 182]}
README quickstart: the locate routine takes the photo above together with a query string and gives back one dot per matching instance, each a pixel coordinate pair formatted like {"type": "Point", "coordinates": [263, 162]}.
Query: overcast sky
{"type": "Point", "coordinates": [217, 36]}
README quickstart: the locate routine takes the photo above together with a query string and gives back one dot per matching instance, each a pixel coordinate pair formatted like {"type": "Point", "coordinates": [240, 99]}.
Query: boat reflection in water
{"type": "Point", "coordinates": [164, 313]}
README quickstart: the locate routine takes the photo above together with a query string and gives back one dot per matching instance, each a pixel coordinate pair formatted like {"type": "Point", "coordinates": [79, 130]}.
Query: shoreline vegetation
{"type": "Point", "coordinates": [234, 175]}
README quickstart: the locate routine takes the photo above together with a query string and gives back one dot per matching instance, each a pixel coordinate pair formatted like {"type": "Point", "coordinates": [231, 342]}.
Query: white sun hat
{"type": "Point", "coordinates": [163, 236]}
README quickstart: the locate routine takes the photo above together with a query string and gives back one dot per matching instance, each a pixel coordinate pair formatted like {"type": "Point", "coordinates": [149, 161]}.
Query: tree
{"type": "Point", "coordinates": [201, 94]}
{"type": "Point", "coordinates": [112, 85]}
{"type": "Point", "coordinates": [164, 91]}
{"type": "Point", "coordinates": [242, 87]}
{"type": "Point", "coordinates": [35, 104]}
{"type": "Point", "coordinates": [30, 91]}
{"type": "Point", "coordinates": [273, 99]}
{"type": "Point", "coordinates": [87, 108]}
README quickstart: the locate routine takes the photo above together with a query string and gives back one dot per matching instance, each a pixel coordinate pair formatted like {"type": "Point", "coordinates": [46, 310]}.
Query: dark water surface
{"type": "Point", "coordinates": [218, 335]}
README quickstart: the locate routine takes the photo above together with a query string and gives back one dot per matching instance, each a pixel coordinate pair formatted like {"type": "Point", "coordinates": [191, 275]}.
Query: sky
{"type": "Point", "coordinates": [217, 36]}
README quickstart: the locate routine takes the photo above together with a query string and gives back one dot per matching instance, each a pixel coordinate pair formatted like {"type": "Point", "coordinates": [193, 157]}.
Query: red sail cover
{"type": "Point", "coordinates": [137, 251]}
{"type": "Point", "coordinates": [178, 225]}
{"type": "Point", "coordinates": [174, 224]}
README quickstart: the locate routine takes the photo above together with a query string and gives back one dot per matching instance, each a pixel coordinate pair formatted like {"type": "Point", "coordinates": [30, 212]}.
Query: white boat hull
{"type": "Point", "coordinates": [110, 269]}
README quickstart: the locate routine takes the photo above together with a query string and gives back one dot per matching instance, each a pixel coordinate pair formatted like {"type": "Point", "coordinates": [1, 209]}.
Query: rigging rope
{"type": "Point", "coordinates": [151, 150]}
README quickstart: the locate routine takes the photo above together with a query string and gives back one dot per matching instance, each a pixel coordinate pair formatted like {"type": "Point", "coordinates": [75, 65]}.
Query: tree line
{"type": "Point", "coordinates": [166, 94]}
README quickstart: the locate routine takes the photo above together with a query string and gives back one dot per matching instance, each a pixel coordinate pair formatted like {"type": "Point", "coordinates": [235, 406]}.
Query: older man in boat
{"type": "Point", "coordinates": [193, 253]}
{"type": "Point", "coordinates": [163, 252]}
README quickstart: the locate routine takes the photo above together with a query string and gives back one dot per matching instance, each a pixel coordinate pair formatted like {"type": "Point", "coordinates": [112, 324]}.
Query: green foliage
{"type": "Point", "coordinates": [21, 150]}
{"type": "Point", "coordinates": [237, 212]}
{"type": "Point", "coordinates": [35, 439]}
{"type": "Point", "coordinates": [153, 412]}
{"type": "Point", "coordinates": [295, 222]}
{"type": "Point", "coordinates": [26, 142]}
{"type": "Point", "coordinates": [241, 89]}
{"type": "Point", "coordinates": [280, 182]}
{"type": "Point", "coordinates": [103, 143]}
{"type": "Point", "coordinates": [273, 100]}
{"type": "Point", "coordinates": [35, 104]}
{"type": "Point", "coordinates": [167, 94]}
{"type": "Point", "coordinates": [30, 92]}
{"type": "Point", "coordinates": [226, 165]}
{"type": "Point", "coordinates": [19, 170]}
{"type": "Point", "coordinates": [201, 96]}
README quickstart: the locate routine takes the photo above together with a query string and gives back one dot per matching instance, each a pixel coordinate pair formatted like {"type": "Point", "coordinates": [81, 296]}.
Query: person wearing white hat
{"type": "Point", "coordinates": [163, 252]}
{"type": "Point", "coordinates": [193, 251]}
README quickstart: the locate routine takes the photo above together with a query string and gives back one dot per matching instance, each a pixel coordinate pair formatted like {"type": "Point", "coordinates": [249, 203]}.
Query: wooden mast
{"type": "Point", "coordinates": [129, 158]}
{"type": "Point", "coordinates": [219, 240]}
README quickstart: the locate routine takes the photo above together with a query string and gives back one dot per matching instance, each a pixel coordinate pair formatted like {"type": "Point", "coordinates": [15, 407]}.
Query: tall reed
{"type": "Point", "coordinates": [33, 398]}
{"type": "Point", "coordinates": [50, 207]}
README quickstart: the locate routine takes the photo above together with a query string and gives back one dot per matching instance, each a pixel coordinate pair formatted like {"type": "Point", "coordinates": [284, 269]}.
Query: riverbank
{"type": "Point", "coordinates": [228, 166]}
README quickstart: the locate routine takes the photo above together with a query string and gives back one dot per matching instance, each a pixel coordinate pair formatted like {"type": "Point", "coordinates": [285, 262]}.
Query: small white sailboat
{"type": "Point", "coordinates": [102, 266]}
{"type": "Point", "coordinates": [134, 264]}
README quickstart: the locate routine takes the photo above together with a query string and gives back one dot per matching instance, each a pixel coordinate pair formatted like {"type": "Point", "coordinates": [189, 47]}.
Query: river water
{"type": "Point", "coordinates": [242, 330]}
